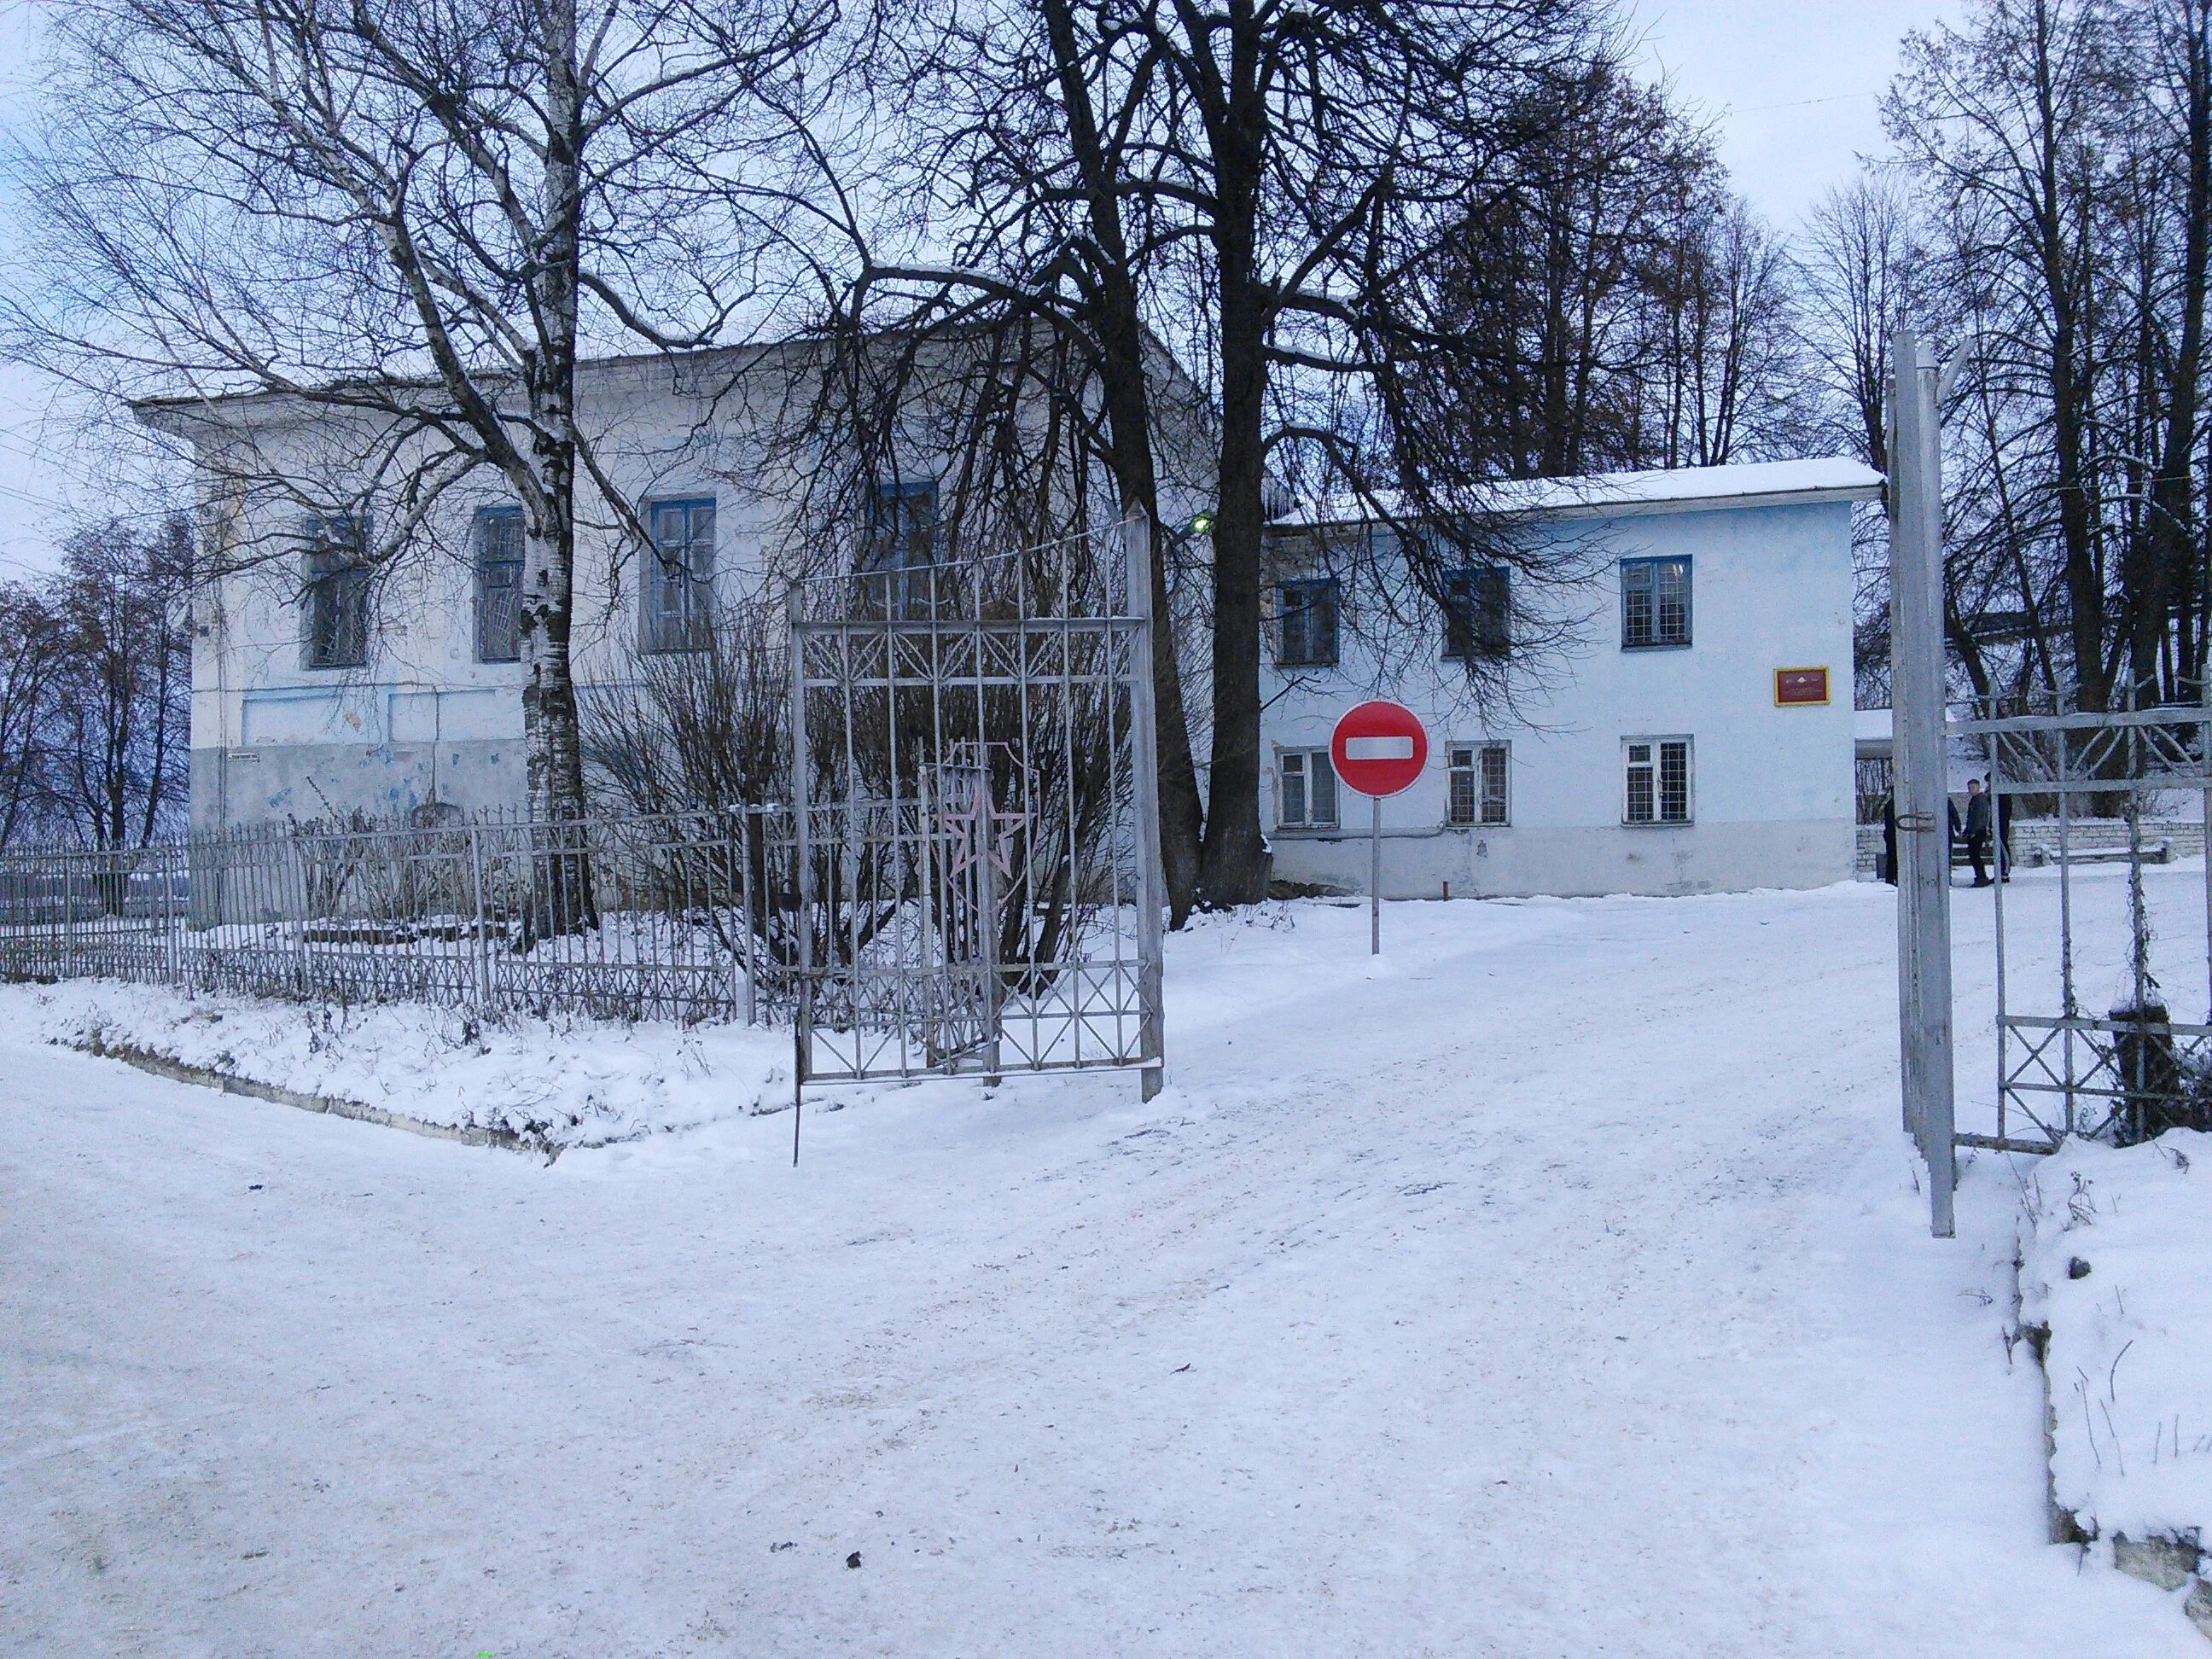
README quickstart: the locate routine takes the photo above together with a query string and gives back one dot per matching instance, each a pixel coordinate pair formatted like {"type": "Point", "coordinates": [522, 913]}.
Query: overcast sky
{"type": "Point", "coordinates": [1790, 85]}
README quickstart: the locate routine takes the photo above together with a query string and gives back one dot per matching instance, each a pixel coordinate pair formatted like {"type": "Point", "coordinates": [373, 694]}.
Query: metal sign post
{"type": "Point", "coordinates": [1378, 748]}
{"type": "Point", "coordinates": [1923, 780]}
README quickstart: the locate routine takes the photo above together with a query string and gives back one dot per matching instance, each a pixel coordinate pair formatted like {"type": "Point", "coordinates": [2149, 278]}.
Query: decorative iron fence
{"type": "Point", "coordinates": [681, 916]}
{"type": "Point", "coordinates": [2095, 964]}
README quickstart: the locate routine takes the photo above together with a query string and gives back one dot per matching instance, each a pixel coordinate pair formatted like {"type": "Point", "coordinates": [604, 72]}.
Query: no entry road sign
{"type": "Point", "coordinates": [1379, 748]}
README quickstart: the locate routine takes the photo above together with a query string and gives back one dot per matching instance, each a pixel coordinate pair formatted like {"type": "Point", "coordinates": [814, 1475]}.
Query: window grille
{"type": "Point", "coordinates": [1479, 776]}
{"type": "Point", "coordinates": [679, 575]}
{"type": "Point", "coordinates": [1657, 779]}
{"type": "Point", "coordinates": [499, 584]}
{"type": "Point", "coordinates": [1477, 613]}
{"type": "Point", "coordinates": [335, 578]}
{"type": "Point", "coordinates": [1307, 609]}
{"type": "Point", "coordinates": [1307, 799]}
{"type": "Point", "coordinates": [1655, 603]}
{"type": "Point", "coordinates": [900, 552]}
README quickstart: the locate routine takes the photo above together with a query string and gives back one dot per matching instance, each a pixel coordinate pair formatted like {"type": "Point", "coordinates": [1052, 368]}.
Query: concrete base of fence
{"type": "Point", "coordinates": [178, 1071]}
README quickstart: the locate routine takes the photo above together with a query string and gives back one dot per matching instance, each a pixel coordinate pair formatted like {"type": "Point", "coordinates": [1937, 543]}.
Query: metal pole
{"type": "Point", "coordinates": [803, 873]}
{"type": "Point", "coordinates": [1375, 879]}
{"type": "Point", "coordinates": [987, 912]}
{"type": "Point", "coordinates": [1145, 801]}
{"type": "Point", "coordinates": [1924, 955]}
{"type": "Point", "coordinates": [483, 944]}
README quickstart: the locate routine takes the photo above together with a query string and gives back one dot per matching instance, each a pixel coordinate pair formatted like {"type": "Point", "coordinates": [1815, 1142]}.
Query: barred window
{"type": "Point", "coordinates": [1479, 777]}
{"type": "Point", "coordinates": [1655, 603]}
{"type": "Point", "coordinates": [499, 584]}
{"type": "Point", "coordinates": [899, 552]}
{"type": "Point", "coordinates": [1307, 797]}
{"type": "Point", "coordinates": [1307, 611]}
{"type": "Point", "coordinates": [334, 580]}
{"type": "Point", "coordinates": [679, 575]}
{"type": "Point", "coordinates": [1477, 613]}
{"type": "Point", "coordinates": [1657, 779]}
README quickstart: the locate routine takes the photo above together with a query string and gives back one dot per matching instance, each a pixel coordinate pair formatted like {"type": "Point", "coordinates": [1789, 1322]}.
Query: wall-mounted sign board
{"type": "Point", "coordinates": [1799, 686]}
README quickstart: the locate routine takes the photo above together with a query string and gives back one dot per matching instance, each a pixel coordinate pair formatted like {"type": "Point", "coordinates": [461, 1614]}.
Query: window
{"type": "Point", "coordinates": [1658, 780]}
{"type": "Point", "coordinates": [499, 584]}
{"type": "Point", "coordinates": [900, 551]}
{"type": "Point", "coordinates": [335, 592]}
{"type": "Point", "coordinates": [1655, 603]}
{"type": "Point", "coordinates": [679, 575]}
{"type": "Point", "coordinates": [1308, 613]}
{"type": "Point", "coordinates": [1479, 781]}
{"type": "Point", "coordinates": [1478, 612]}
{"type": "Point", "coordinates": [1307, 799]}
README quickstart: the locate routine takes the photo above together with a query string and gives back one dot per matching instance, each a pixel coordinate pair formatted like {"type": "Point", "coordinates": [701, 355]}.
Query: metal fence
{"type": "Point", "coordinates": [2095, 960]}
{"type": "Point", "coordinates": [681, 916]}
{"type": "Point", "coordinates": [979, 876]}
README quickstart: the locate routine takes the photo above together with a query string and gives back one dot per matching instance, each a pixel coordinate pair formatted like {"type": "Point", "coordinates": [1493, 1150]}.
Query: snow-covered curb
{"type": "Point", "coordinates": [2116, 1266]}
{"type": "Point", "coordinates": [544, 1085]}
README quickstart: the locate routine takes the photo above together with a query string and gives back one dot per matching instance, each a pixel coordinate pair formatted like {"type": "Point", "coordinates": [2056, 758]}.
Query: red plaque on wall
{"type": "Point", "coordinates": [1800, 685]}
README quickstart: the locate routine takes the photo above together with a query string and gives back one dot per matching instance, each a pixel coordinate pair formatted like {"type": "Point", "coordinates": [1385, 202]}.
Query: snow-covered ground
{"type": "Point", "coordinates": [551, 1084]}
{"type": "Point", "coordinates": [1558, 1286]}
{"type": "Point", "coordinates": [2118, 1268]}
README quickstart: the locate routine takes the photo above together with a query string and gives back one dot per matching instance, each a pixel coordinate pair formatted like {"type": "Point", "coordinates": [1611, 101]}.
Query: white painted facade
{"type": "Point", "coordinates": [424, 721]}
{"type": "Point", "coordinates": [1770, 787]}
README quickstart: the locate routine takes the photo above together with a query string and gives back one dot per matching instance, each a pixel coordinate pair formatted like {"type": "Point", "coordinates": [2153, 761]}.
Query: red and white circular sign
{"type": "Point", "coordinates": [1378, 748]}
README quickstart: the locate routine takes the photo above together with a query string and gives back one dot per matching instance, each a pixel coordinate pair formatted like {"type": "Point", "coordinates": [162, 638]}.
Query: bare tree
{"type": "Point", "coordinates": [1253, 185]}
{"type": "Point", "coordinates": [2009, 122]}
{"type": "Point", "coordinates": [403, 220]}
{"type": "Point", "coordinates": [118, 720]}
{"type": "Point", "coordinates": [30, 659]}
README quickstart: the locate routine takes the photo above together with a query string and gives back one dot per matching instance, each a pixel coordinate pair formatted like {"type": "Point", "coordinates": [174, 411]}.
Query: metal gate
{"type": "Point", "coordinates": [976, 821]}
{"type": "Point", "coordinates": [2096, 956]}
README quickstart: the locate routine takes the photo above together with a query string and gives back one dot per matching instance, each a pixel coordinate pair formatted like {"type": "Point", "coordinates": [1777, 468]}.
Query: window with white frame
{"type": "Point", "coordinates": [1657, 776]}
{"type": "Point", "coordinates": [679, 575]}
{"type": "Point", "coordinates": [1655, 603]}
{"type": "Point", "coordinates": [1305, 798]}
{"type": "Point", "coordinates": [1480, 775]}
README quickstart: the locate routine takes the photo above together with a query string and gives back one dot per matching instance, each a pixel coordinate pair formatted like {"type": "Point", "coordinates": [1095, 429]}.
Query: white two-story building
{"type": "Point", "coordinates": [1659, 700]}
{"type": "Point", "coordinates": [1681, 722]}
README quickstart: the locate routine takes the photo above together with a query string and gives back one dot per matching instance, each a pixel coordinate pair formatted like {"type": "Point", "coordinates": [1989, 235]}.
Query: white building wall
{"type": "Point", "coordinates": [1772, 786]}
{"type": "Point", "coordinates": [423, 720]}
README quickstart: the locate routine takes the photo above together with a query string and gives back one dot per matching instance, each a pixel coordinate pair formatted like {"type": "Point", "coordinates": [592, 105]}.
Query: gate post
{"type": "Point", "coordinates": [802, 1020]}
{"type": "Point", "coordinates": [1922, 772]}
{"type": "Point", "coordinates": [1145, 800]}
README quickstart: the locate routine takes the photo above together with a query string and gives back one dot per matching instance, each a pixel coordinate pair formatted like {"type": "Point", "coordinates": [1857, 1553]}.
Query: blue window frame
{"type": "Point", "coordinates": [900, 550]}
{"type": "Point", "coordinates": [679, 575]}
{"type": "Point", "coordinates": [334, 593]}
{"type": "Point", "coordinates": [1655, 603]}
{"type": "Point", "coordinates": [1306, 611]}
{"type": "Point", "coordinates": [1477, 613]}
{"type": "Point", "coordinates": [499, 584]}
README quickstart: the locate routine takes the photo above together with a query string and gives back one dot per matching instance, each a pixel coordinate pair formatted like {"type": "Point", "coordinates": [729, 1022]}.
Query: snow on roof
{"type": "Point", "coordinates": [1870, 726]}
{"type": "Point", "coordinates": [1756, 484]}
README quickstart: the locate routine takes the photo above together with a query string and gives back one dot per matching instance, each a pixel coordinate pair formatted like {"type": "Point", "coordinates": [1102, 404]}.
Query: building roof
{"type": "Point", "coordinates": [1679, 490]}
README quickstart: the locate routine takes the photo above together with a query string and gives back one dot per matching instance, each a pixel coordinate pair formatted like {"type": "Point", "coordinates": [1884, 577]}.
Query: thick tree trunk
{"type": "Point", "coordinates": [1233, 866]}
{"type": "Point", "coordinates": [1128, 415]}
{"type": "Point", "coordinates": [561, 899]}
{"type": "Point", "coordinates": [2172, 561]}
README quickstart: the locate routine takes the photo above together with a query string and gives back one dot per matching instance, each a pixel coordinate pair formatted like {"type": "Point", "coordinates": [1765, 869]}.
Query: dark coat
{"type": "Point", "coordinates": [1978, 817]}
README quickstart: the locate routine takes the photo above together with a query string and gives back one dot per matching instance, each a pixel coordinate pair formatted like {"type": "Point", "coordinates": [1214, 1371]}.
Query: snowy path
{"type": "Point", "coordinates": [1556, 1288]}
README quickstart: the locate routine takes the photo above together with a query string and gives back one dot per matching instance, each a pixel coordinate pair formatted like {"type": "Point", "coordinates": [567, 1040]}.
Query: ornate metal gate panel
{"type": "Point", "coordinates": [976, 816]}
{"type": "Point", "coordinates": [2094, 961]}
